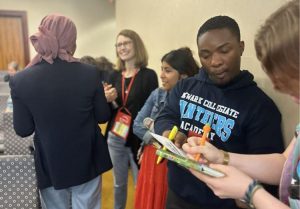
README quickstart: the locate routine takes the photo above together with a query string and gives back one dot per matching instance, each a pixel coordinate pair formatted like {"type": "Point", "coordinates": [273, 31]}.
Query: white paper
{"type": "Point", "coordinates": [169, 144]}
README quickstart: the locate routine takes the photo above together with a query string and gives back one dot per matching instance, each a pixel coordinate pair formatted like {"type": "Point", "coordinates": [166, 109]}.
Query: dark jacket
{"type": "Point", "coordinates": [243, 120]}
{"type": "Point", "coordinates": [62, 103]}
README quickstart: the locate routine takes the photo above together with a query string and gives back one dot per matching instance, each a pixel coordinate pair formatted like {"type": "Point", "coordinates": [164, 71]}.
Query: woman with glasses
{"type": "Point", "coordinates": [133, 85]}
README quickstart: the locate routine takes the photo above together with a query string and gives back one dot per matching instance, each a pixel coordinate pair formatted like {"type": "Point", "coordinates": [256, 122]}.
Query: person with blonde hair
{"type": "Point", "coordinates": [134, 84]}
{"type": "Point", "coordinates": [277, 48]}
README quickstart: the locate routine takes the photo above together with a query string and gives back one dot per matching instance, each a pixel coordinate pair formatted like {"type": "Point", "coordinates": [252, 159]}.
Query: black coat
{"type": "Point", "coordinates": [145, 82]}
{"type": "Point", "coordinates": [63, 104]}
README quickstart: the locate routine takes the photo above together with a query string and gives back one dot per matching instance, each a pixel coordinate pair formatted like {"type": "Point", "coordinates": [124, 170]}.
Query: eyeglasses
{"type": "Point", "coordinates": [125, 44]}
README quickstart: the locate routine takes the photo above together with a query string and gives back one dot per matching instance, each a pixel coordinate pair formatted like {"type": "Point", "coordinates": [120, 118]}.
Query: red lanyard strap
{"type": "Point", "coordinates": [125, 97]}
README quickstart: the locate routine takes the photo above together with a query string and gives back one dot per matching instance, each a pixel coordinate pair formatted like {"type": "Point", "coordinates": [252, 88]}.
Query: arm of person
{"type": "Point", "coordinates": [262, 199]}
{"type": "Point", "coordinates": [152, 83]}
{"type": "Point", "coordinates": [256, 166]}
{"type": "Point", "coordinates": [170, 114]}
{"type": "Point", "coordinates": [263, 135]}
{"type": "Point", "coordinates": [266, 168]}
{"type": "Point", "coordinates": [102, 110]}
{"type": "Point", "coordinates": [22, 117]}
{"type": "Point", "coordinates": [226, 187]}
{"type": "Point", "coordinates": [138, 126]}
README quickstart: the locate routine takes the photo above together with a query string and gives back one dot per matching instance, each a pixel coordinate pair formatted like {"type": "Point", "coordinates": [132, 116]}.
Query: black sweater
{"type": "Point", "coordinates": [145, 82]}
{"type": "Point", "coordinates": [242, 117]}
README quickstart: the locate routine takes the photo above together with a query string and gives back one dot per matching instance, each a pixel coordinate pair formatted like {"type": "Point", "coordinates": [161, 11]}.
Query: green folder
{"type": "Point", "coordinates": [188, 163]}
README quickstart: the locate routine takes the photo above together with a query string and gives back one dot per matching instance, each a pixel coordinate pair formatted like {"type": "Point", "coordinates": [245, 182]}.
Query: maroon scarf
{"type": "Point", "coordinates": [56, 37]}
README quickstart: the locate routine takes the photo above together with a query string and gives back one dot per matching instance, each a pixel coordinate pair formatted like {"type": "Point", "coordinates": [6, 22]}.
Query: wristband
{"type": "Point", "coordinates": [225, 158]}
{"type": "Point", "coordinates": [248, 197]}
{"type": "Point", "coordinates": [257, 187]}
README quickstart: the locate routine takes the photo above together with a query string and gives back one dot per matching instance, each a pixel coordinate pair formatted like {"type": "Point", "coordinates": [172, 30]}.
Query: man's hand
{"type": "Point", "coordinates": [179, 140]}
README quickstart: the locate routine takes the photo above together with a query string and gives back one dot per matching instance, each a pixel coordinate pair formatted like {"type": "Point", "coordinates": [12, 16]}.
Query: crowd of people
{"type": "Point", "coordinates": [245, 142]}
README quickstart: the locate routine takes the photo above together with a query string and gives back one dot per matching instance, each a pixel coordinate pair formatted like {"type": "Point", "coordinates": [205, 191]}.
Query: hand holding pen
{"type": "Point", "coordinates": [210, 153]}
{"type": "Point", "coordinates": [171, 137]}
{"type": "Point", "coordinates": [203, 139]}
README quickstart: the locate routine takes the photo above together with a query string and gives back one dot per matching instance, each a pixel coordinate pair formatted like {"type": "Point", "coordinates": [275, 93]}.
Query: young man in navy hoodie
{"type": "Point", "coordinates": [242, 117]}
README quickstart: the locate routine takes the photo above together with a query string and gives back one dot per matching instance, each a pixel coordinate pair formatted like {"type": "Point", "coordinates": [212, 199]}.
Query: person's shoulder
{"type": "Point", "coordinates": [188, 82]}
{"type": "Point", "coordinates": [25, 72]}
{"type": "Point", "coordinates": [85, 66]}
{"type": "Point", "coordinates": [147, 70]}
{"type": "Point", "coordinates": [264, 97]}
{"type": "Point", "coordinates": [85, 69]}
{"type": "Point", "coordinates": [147, 75]}
{"type": "Point", "coordinates": [161, 93]}
{"type": "Point", "coordinates": [113, 76]}
{"type": "Point", "coordinates": [260, 99]}
{"type": "Point", "coordinates": [158, 92]}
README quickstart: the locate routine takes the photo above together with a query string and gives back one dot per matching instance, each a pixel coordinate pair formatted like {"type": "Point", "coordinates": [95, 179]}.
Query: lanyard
{"type": "Point", "coordinates": [125, 97]}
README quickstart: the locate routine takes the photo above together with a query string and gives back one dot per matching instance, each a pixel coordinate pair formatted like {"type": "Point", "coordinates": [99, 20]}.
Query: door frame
{"type": "Point", "coordinates": [23, 16]}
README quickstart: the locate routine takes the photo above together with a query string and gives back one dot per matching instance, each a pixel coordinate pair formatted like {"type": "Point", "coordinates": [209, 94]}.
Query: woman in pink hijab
{"type": "Point", "coordinates": [56, 38]}
{"type": "Point", "coordinates": [62, 101]}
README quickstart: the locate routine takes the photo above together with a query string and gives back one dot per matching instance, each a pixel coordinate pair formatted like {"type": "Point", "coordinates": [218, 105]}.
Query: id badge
{"type": "Point", "coordinates": [121, 125]}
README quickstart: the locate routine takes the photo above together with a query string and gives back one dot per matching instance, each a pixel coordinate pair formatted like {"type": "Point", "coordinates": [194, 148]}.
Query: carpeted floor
{"type": "Point", "coordinates": [108, 191]}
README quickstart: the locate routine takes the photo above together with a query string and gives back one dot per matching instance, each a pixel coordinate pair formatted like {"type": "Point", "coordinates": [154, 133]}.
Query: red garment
{"type": "Point", "coordinates": [152, 184]}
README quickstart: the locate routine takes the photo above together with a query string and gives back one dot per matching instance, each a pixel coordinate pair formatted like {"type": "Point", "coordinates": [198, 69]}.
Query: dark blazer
{"type": "Point", "coordinates": [63, 104]}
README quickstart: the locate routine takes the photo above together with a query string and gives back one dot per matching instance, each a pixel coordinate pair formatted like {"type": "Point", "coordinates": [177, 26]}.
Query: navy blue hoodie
{"type": "Point", "coordinates": [243, 119]}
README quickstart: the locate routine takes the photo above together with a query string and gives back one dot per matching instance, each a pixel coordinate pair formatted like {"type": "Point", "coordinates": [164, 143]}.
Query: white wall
{"type": "Point", "coordinates": [168, 24]}
{"type": "Point", "coordinates": [94, 19]}
{"type": "Point", "coordinates": [164, 25]}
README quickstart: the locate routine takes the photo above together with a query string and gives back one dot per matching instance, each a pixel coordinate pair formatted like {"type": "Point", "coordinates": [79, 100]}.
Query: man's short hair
{"type": "Point", "coordinates": [220, 22]}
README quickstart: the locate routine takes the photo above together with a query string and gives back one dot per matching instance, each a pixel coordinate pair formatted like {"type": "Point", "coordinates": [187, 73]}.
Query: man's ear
{"type": "Point", "coordinates": [182, 76]}
{"type": "Point", "coordinates": [242, 47]}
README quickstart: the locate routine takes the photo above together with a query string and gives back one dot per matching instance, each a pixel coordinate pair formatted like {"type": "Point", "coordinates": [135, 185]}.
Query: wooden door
{"type": "Point", "coordinates": [13, 38]}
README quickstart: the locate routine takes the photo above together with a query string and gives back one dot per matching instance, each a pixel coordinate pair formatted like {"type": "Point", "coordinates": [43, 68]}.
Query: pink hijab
{"type": "Point", "coordinates": [56, 37]}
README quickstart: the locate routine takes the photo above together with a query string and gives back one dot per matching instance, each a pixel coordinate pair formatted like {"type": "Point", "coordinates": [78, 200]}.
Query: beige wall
{"type": "Point", "coordinates": [169, 24]}
{"type": "Point", "coordinates": [95, 21]}
{"type": "Point", "coordinates": [163, 25]}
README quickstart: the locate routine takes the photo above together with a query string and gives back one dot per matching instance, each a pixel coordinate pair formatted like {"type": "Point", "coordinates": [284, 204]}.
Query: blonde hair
{"type": "Point", "coordinates": [277, 41]}
{"type": "Point", "coordinates": [141, 55]}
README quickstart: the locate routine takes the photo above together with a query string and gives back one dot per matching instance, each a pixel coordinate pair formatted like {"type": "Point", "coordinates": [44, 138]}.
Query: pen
{"type": "Point", "coordinates": [206, 130]}
{"type": "Point", "coordinates": [171, 136]}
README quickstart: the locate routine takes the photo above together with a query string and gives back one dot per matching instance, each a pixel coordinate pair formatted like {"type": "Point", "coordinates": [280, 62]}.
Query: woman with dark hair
{"type": "Point", "coordinates": [133, 85]}
{"type": "Point", "coordinates": [107, 68]}
{"type": "Point", "coordinates": [152, 187]}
